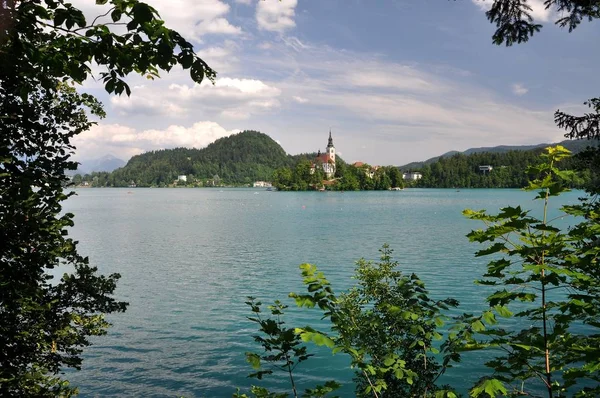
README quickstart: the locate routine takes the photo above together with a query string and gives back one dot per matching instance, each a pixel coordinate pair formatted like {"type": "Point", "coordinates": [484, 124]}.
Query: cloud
{"type": "Point", "coordinates": [246, 2]}
{"type": "Point", "coordinates": [265, 45]}
{"type": "Point", "coordinates": [235, 98]}
{"type": "Point", "coordinates": [192, 18]}
{"type": "Point", "coordinates": [400, 77]}
{"type": "Point", "coordinates": [276, 16]}
{"type": "Point", "coordinates": [143, 102]}
{"type": "Point", "coordinates": [221, 58]}
{"type": "Point", "coordinates": [519, 89]}
{"type": "Point", "coordinates": [231, 98]}
{"type": "Point", "coordinates": [125, 141]}
{"type": "Point", "coordinates": [538, 8]}
{"type": "Point", "coordinates": [300, 100]}
{"type": "Point", "coordinates": [225, 88]}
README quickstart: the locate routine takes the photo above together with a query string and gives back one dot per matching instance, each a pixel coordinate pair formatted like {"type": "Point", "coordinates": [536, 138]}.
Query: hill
{"type": "Point", "coordinates": [508, 170]}
{"type": "Point", "coordinates": [574, 146]}
{"type": "Point", "coordinates": [238, 159]}
{"type": "Point", "coordinates": [105, 163]}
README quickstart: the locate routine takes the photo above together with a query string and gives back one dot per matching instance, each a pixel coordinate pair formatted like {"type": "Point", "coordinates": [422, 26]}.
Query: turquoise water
{"type": "Point", "coordinates": [189, 257]}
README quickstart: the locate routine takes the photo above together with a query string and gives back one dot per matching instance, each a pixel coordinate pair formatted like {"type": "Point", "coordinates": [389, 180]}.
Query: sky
{"type": "Point", "coordinates": [395, 81]}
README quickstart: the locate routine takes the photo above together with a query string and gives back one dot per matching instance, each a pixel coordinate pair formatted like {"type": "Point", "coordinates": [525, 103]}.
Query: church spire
{"type": "Point", "coordinates": [330, 141]}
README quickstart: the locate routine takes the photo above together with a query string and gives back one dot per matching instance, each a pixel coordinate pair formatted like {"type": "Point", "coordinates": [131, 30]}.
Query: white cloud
{"type": "Point", "coordinates": [237, 96]}
{"type": "Point", "coordinates": [400, 77]}
{"type": "Point", "coordinates": [300, 100]}
{"type": "Point", "coordinates": [538, 8]}
{"type": "Point", "coordinates": [125, 141]}
{"type": "Point", "coordinates": [192, 18]}
{"type": "Point", "coordinates": [276, 16]}
{"type": "Point", "coordinates": [143, 102]}
{"type": "Point", "coordinates": [231, 98]}
{"type": "Point", "coordinates": [519, 89]}
{"type": "Point", "coordinates": [265, 45]}
{"type": "Point", "coordinates": [221, 58]}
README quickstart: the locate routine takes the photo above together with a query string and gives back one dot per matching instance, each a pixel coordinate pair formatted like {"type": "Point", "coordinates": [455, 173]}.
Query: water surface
{"type": "Point", "coordinates": [189, 257]}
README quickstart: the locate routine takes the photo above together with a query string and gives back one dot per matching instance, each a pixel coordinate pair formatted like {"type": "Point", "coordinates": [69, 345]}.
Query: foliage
{"type": "Point", "coordinates": [547, 284]}
{"type": "Point", "coordinates": [283, 351]}
{"type": "Point", "coordinates": [509, 170]}
{"type": "Point", "coordinates": [45, 47]}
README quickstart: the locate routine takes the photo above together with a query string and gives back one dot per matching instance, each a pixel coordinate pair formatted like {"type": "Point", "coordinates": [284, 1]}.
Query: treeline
{"type": "Point", "coordinates": [509, 170]}
{"type": "Point", "coordinates": [303, 176]}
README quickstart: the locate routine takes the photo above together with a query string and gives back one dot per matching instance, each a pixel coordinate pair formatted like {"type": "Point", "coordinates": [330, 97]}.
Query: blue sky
{"type": "Point", "coordinates": [396, 81]}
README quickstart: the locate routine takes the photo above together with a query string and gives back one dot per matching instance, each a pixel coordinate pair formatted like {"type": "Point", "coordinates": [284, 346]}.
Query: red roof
{"type": "Point", "coordinates": [324, 158]}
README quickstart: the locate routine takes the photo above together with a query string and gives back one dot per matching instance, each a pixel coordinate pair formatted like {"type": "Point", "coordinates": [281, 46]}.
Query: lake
{"type": "Point", "coordinates": [189, 257]}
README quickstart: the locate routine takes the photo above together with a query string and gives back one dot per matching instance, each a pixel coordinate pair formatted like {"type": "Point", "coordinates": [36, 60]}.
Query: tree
{"type": "Point", "coordinates": [46, 47]}
{"type": "Point", "coordinates": [395, 177]}
{"type": "Point", "coordinates": [77, 179]}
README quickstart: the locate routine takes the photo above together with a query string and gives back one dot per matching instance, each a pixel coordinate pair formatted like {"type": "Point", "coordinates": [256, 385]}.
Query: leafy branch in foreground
{"type": "Point", "coordinates": [547, 284]}
{"type": "Point", "coordinates": [283, 350]}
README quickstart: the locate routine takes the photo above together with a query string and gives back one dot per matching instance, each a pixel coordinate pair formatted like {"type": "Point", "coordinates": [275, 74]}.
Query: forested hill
{"type": "Point", "coordinates": [574, 146]}
{"type": "Point", "coordinates": [238, 159]}
{"type": "Point", "coordinates": [509, 170]}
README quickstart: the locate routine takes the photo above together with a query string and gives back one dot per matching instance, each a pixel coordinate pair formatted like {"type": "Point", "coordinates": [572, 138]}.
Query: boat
{"type": "Point", "coordinates": [396, 189]}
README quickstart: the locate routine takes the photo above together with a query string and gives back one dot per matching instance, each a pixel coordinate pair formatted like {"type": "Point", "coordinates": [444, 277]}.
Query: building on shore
{"type": "Point", "coordinates": [262, 184]}
{"type": "Point", "coordinates": [412, 176]}
{"type": "Point", "coordinates": [486, 169]}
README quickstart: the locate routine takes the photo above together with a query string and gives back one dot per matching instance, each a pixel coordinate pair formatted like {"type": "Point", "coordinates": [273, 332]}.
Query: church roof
{"type": "Point", "coordinates": [324, 158]}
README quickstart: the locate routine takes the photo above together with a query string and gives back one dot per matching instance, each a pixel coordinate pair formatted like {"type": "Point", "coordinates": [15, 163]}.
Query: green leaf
{"type": "Point", "coordinates": [489, 318]}
{"type": "Point", "coordinates": [253, 359]}
{"type": "Point", "coordinates": [503, 311]}
{"type": "Point", "coordinates": [492, 387]}
{"type": "Point", "coordinates": [478, 326]}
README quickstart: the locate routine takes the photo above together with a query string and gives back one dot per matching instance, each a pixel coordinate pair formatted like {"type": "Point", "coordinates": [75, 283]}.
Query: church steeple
{"type": "Point", "coordinates": [330, 141]}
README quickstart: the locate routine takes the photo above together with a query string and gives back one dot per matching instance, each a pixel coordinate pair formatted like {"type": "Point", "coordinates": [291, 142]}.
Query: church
{"type": "Point", "coordinates": [326, 160]}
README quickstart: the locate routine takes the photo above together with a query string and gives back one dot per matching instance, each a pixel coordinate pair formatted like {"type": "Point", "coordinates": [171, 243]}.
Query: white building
{"type": "Point", "coordinates": [485, 169]}
{"type": "Point", "coordinates": [262, 184]}
{"type": "Point", "coordinates": [412, 176]}
{"type": "Point", "coordinates": [182, 178]}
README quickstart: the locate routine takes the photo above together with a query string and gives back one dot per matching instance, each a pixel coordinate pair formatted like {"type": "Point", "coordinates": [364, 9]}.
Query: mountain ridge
{"type": "Point", "coordinates": [572, 145]}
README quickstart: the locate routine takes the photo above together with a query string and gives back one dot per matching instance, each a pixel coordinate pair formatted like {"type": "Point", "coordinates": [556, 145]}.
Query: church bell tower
{"type": "Point", "coordinates": [331, 148]}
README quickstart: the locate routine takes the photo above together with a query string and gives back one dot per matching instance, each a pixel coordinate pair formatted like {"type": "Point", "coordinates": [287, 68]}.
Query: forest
{"type": "Point", "coordinates": [508, 170]}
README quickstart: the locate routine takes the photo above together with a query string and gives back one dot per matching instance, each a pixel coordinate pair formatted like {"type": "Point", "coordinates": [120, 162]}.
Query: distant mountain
{"type": "Point", "coordinates": [572, 145]}
{"type": "Point", "coordinates": [239, 159]}
{"type": "Point", "coordinates": [105, 163]}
